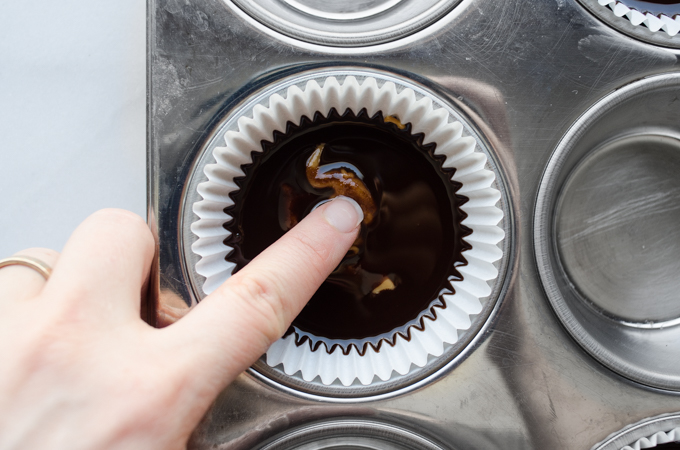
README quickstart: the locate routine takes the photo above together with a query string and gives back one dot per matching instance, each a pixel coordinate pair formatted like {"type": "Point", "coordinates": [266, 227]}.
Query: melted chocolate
{"type": "Point", "coordinates": [415, 239]}
{"type": "Point", "coordinates": [669, 446]}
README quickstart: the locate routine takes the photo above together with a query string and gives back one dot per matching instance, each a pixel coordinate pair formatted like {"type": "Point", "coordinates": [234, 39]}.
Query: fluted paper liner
{"type": "Point", "coordinates": [652, 441]}
{"type": "Point", "coordinates": [670, 25]}
{"type": "Point", "coordinates": [461, 152]}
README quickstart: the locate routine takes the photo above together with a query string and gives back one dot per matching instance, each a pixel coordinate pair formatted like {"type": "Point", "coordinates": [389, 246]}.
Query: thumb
{"type": "Point", "coordinates": [235, 325]}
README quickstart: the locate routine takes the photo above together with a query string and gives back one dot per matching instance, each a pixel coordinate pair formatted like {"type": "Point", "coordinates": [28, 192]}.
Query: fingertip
{"type": "Point", "coordinates": [343, 214]}
{"type": "Point", "coordinates": [119, 216]}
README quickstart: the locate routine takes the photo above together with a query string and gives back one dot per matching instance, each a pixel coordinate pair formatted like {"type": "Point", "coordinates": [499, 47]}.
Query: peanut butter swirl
{"type": "Point", "coordinates": [343, 179]}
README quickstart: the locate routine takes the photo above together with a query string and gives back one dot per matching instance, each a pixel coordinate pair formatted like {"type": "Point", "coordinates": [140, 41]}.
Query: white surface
{"type": "Point", "coordinates": [72, 116]}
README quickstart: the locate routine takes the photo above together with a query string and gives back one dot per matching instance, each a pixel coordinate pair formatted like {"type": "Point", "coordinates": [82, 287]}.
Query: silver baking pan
{"type": "Point", "coordinates": [577, 110]}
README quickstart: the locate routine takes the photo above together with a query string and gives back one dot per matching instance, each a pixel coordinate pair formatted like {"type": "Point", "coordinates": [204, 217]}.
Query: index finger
{"type": "Point", "coordinates": [234, 325]}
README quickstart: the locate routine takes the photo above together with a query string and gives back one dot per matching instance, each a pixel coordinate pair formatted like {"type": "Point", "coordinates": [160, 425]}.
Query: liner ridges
{"type": "Point", "coordinates": [662, 22]}
{"type": "Point", "coordinates": [658, 438]}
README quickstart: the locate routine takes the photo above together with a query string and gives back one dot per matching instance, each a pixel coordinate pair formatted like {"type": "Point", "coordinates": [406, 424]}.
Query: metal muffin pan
{"type": "Point", "coordinates": [606, 232]}
{"type": "Point", "coordinates": [522, 73]}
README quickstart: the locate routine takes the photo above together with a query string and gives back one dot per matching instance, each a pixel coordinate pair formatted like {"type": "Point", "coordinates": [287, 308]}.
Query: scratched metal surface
{"type": "Point", "coordinates": [527, 69]}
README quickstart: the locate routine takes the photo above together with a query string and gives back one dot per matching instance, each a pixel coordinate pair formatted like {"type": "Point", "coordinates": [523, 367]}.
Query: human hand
{"type": "Point", "coordinates": [79, 369]}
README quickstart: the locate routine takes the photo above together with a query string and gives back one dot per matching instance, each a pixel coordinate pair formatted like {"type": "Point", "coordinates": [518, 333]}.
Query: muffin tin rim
{"type": "Point", "coordinates": [307, 35]}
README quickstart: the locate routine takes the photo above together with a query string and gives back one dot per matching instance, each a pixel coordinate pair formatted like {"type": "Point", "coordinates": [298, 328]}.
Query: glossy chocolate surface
{"type": "Point", "coordinates": [403, 258]}
{"type": "Point", "coordinates": [668, 446]}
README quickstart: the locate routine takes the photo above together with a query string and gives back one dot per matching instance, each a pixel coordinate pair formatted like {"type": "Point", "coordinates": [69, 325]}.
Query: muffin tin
{"type": "Point", "coordinates": [560, 102]}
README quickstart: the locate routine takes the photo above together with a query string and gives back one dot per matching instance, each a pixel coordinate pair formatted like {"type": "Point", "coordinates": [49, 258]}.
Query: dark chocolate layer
{"type": "Point", "coordinates": [415, 239]}
{"type": "Point", "coordinates": [668, 446]}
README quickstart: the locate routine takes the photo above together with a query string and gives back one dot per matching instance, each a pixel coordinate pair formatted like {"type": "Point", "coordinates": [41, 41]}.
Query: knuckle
{"type": "Point", "coordinates": [265, 303]}
{"type": "Point", "coordinates": [48, 347]}
{"type": "Point", "coordinates": [310, 251]}
{"type": "Point", "coordinates": [251, 287]}
{"type": "Point", "coordinates": [122, 220]}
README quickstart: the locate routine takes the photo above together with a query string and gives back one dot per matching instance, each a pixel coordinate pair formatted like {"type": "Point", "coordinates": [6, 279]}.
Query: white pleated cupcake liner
{"type": "Point", "coordinates": [461, 151]}
{"type": "Point", "coordinates": [652, 441]}
{"type": "Point", "coordinates": [670, 25]}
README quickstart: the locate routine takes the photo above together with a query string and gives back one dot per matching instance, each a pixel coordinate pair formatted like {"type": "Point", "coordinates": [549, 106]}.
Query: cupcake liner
{"type": "Point", "coordinates": [648, 433]}
{"type": "Point", "coordinates": [652, 441]}
{"type": "Point", "coordinates": [354, 362]}
{"type": "Point", "coordinates": [669, 25]}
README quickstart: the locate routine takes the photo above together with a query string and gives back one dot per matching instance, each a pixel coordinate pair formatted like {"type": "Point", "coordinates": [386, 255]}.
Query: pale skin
{"type": "Point", "coordinates": [79, 369]}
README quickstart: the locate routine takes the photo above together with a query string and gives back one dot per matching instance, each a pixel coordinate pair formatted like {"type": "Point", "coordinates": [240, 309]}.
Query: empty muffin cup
{"type": "Point", "coordinates": [346, 24]}
{"type": "Point", "coordinates": [606, 236]}
{"type": "Point", "coordinates": [350, 434]}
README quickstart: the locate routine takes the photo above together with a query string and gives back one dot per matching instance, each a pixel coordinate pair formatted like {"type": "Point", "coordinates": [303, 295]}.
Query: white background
{"type": "Point", "coordinates": [72, 116]}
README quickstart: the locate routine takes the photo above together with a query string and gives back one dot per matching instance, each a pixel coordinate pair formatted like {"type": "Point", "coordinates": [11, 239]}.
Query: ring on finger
{"type": "Point", "coordinates": [28, 261]}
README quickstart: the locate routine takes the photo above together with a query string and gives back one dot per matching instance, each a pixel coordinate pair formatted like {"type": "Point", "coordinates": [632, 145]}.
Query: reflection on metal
{"type": "Point", "coordinates": [523, 72]}
{"type": "Point", "coordinates": [333, 10]}
{"type": "Point", "coordinates": [351, 435]}
{"type": "Point", "coordinates": [346, 23]}
{"type": "Point", "coordinates": [606, 231]}
{"type": "Point", "coordinates": [617, 233]}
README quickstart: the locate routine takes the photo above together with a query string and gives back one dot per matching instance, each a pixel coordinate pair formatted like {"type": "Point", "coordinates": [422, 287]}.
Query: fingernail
{"type": "Point", "coordinates": [343, 214]}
